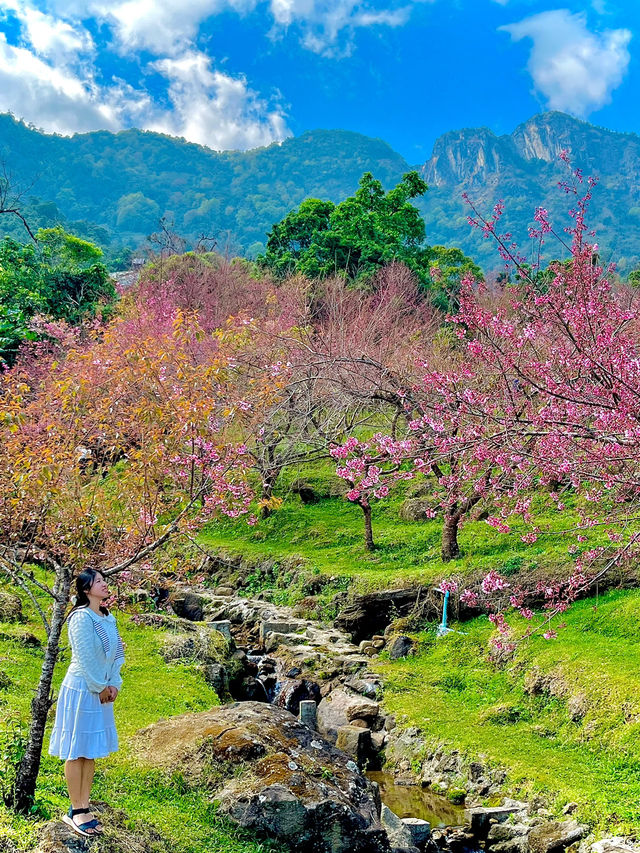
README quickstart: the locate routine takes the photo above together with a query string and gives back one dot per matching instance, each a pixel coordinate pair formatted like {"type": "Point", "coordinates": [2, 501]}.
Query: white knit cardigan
{"type": "Point", "coordinates": [97, 652]}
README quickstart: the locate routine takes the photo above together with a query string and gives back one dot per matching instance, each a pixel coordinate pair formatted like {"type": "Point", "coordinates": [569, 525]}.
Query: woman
{"type": "Point", "coordinates": [84, 728]}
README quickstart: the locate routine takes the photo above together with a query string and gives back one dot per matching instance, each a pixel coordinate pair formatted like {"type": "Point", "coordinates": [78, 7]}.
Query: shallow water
{"type": "Point", "coordinates": [415, 801]}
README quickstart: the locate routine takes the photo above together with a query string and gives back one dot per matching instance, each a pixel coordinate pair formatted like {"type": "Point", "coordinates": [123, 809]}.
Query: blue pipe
{"type": "Point", "coordinates": [442, 627]}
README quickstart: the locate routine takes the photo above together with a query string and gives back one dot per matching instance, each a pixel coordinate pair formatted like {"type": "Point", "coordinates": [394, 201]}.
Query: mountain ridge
{"type": "Point", "coordinates": [115, 187]}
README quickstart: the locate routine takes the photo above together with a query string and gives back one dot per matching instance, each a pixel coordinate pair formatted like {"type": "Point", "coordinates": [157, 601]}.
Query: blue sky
{"type": "Point", "coordinates": [243, 73]}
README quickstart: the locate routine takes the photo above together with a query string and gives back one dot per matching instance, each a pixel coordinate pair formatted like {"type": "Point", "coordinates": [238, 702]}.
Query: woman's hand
{"type": "Point", "coordinates": [114, 693]}
{"type": "Point", "coordinates": [105, 695]}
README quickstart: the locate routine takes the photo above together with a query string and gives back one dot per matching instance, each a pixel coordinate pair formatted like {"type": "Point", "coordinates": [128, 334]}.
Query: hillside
{"type": "Point", "coordinates": [113, 188]}
{"type": "Point", "coordinates": [125, 182]}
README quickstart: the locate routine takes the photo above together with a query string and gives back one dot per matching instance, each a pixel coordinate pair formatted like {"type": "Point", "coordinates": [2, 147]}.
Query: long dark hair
{"type": "Point", "coordinates": [84, 582]}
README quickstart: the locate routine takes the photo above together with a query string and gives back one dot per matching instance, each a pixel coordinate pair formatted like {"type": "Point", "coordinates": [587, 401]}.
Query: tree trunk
{"type": "Point", "coordinates": [368, 529]}
{"type": "Point", "coordinates": [268, 485]}
{"type": "Point", "coordinates": [450, 547]}
{"type": "Point", "coordinates": [25, 786]}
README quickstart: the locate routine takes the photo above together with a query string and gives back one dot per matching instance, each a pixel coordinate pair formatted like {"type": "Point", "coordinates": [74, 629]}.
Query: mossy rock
{"type": "Point", "coordinates": [457, 796]}
{"type": "Point", "coordinates": [415, 509]}
{"type": "Point", "coordinates": [10, 607]}
{"type": "Point", "coordinates": [202, 646]}
{"type": "Point", "coordinates": [502, 715]}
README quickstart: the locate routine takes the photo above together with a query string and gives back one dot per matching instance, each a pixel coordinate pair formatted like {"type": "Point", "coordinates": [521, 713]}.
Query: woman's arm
{"type": "Point", "coordinates": [115, 679]}
{"type": "Point", "coordinates": [82, 638]}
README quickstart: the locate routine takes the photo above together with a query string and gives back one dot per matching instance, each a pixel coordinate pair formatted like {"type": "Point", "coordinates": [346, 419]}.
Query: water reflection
{"type": "Point", "coordinates": [415, 801]}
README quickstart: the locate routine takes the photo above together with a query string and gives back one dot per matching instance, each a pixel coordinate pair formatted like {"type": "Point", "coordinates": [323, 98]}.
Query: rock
{"type": "Point", "coordinates": [400, 646]}
{"type": "Point", "coordinates": [10, 607]}
{"type": "Point", "coordinates": [202, 645]}
{"type": "Point", "coordinates": [370, 689]}
{"type": "Point", "coordinates": [476, 771]}
{"type": "Point", "coordinates": [505, 832]}
{"type": "Point", "coordinates": [370, 613]}
{"type": "Point", "coordinates": [188, 605]}
{"type": "Point", "coordinates": [420, 830]}
{"type": "Point", "coordinates": [480, 818]}
{"type": "Point", "coordinates": [323, 804]}
{"type": "Point", "coordinates": [415, 509]}
{"type": "Point", "coordinates": [399, 834]}
{"type": "Point", "coordinates": [339, 708]}
{"type": "Point", "coordinates": [225, 591]}
{"type": "Point", "coordinates": [615, 844]}
{"type": "Point", "coordinates": [519, 844]}
{"type": "Point", "coordinates": [277, 626]}
{"type": "Point", "coordinates": [304, 490]}
{"type": "Point", "coordinates": [378, 740]}
{"type": "Point", "coordinates": [216, 676]}
{"type": "Point", "coordinates": [570, 808]}
{"type": "Point", "coordinates": [356, 742]}
{"type": "Point", "coordinates": [252, 690]}
{"type": "Point", "coordinates": [139, 595]}
{"type": "Point", "coordinates": [223, 626]}
{"type": "Point", "coordinates": [555, 836]}
{"type": "Point", "coordinates": [292, 692]}
{"type": "Point", "coordinates": [379, 644]}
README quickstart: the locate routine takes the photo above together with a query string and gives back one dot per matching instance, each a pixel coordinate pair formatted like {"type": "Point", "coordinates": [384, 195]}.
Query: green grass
{"type": "Point", "coordinates": [457, 697]}
{"type": "Point", "coordinates": [151, 690]}
{"type": "Point", "coordinates": [328, 537]}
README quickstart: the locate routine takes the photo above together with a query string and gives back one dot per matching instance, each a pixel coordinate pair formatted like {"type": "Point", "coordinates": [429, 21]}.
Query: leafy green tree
{"type": "Point", "coordinates": [364, 232]}
{"type": "Point", "coordinates": [59, 277]}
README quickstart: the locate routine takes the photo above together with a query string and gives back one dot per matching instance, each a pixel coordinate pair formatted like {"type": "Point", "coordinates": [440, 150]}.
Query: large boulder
{"type": "Point", "coordinates": [299, 788]}
{"type": "Point", "coordinates": [340, 708]}
{"type": "Point", "coordinates": [292, 691]}
{"type": "Point", "coordinates": [205, 646]}
{"type": "Point", "coordinates": [370, 613]}
{"type": "Point", "coordinates": [555, 836]}
{"type": "Point", "coordinates": [415, 509]}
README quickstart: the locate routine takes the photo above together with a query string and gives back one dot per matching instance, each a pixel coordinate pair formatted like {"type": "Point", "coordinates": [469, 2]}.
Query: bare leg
{"type": "Point", "coordinates": [73, 774]}
{"type": "Point", "coordinates": [88, 770]}
{"type": "Point", "coordinates": [87, 780]}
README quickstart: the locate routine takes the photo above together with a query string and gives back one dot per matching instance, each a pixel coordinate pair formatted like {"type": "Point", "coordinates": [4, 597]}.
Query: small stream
{"type": "Point", "coordinates": [415, 801]}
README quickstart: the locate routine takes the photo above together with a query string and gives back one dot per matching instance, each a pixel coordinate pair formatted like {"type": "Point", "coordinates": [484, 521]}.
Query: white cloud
{"type": "Point", "coordinates": [575, 69]}
{"type": "Point", "coordinates": [328, 26]}
{"type": "Point", "coordinates": [160, 26]}
{"type": "Point", "coordinates": [213, 108]}
{"type": "Point", "coordinates": [53, 98]}
{"type": "Point", "coordinates": [50, 37]}
{"type": "Point", "coordinates": [49, 78]}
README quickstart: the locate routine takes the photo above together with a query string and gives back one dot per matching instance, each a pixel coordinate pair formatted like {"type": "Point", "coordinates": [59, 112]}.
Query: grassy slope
{"type": "Point", "coordinates": [459, 698]}
{"type": "Point", "coordinates": [328, 536]}
{"type": "Point", "coordinates": [151, 690]}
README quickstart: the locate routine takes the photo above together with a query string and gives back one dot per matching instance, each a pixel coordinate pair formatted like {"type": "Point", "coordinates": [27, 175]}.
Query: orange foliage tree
{"type": "Point", "coordinates": [115, 447]}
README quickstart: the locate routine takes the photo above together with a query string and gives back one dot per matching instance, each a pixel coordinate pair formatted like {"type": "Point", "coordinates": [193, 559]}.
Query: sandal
{"type": "Point", "coordinates": [89, 828]}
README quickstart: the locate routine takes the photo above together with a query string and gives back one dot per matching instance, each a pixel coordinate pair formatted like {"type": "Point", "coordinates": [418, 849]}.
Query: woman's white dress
{"type": "Point", "coordinates": [84, 727]}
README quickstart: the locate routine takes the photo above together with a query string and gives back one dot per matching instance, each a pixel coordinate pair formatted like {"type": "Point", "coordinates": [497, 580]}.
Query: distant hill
{"type": "Point", "coordinates": [113, 188]}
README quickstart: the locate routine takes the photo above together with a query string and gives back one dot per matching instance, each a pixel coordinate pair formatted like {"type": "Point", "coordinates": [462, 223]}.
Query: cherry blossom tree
{"type": "Point", "coordinates": [549, 399]}
{"type": "Point", "coordinates": [159, 389]}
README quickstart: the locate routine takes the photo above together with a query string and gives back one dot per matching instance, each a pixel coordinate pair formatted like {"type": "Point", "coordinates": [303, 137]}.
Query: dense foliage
{"type": "Point", "coordinates": [362, 234]}
{"type": "Point", "coordinates": [60, 278]}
